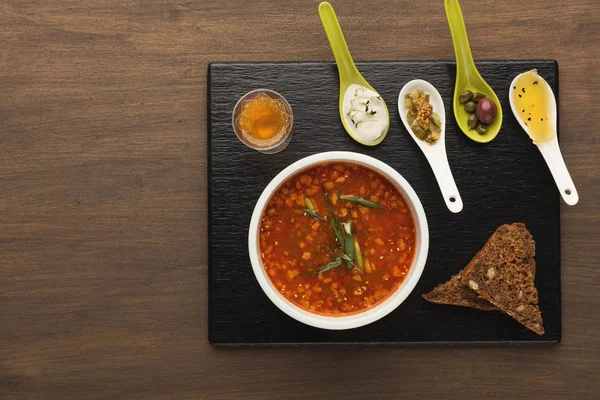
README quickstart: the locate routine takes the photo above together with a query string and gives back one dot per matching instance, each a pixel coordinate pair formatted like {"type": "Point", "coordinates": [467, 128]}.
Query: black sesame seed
{"type": "Point", "coordinates": [542, 119]}
{"type": "Point", "coordinates": [529, 119]}
{"type": "Point", "coordinates": [520, 95]}
{"type": "Point", "coordinates": [523, 90]}
{"type": "Point", "coordinates": [525, 123]}
{"type": "Point", "coordinates": [535, 82]}
{"type": "Point", "coordinates": [514, 87]}
{"type": "Point", "coordinates": [523, 110]}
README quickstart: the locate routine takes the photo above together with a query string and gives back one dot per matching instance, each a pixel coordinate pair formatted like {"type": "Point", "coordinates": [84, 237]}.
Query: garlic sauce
{"type": "Point", "coordinates": [365, 113]}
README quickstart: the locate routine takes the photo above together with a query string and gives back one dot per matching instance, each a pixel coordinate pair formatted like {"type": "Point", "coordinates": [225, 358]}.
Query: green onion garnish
{"type": "Point", "coordinates": [312, 214]}
{"type": "Point", "coordinates": [334, 264]}
{"type": "Point", "coordinates": [361, 201]}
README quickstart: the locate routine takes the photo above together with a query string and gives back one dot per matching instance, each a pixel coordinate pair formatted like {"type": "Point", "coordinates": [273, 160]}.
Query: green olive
{"type": "Point", "coordinates": [472, 121]}
{"type": "Point", "coordinates": [478, 96]}
{"type": "Point", "coordinates": [465, 96]}
{"type": "Point", "coordinates": [470, 107]}
{"type": "Point", "coordinates": [481, 128]}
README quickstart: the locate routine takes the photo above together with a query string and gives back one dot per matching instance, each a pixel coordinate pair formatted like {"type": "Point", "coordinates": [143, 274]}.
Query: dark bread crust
{"type": "Point", "coordinates": [503, 273]}
{"type": "Point", "coordinates": [455, 293]}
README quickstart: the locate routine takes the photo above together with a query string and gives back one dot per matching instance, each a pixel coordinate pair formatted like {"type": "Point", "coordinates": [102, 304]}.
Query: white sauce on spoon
{"type": "Point", "coordinates": [365, 113]}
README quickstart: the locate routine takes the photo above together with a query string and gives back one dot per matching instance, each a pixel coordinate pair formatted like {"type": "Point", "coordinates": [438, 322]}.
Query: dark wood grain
{"type": "Point", "coordinates": [502, 182]}
{"type": "Point", "coordinates": [103, 237]}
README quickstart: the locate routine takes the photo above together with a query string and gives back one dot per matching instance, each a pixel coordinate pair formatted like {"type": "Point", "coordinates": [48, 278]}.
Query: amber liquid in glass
{"type": "Point", "coordinates": [263, 120]}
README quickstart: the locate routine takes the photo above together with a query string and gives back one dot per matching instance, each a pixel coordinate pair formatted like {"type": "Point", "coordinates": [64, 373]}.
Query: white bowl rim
{"type": "Point", "coordinates": [364, 317]}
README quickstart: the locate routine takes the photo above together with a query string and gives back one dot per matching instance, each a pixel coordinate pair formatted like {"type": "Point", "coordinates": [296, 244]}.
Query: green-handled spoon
{"type": "Point", "coordinates": [468, 77]}
{"type": "Point", "coordinates": [363, 112]}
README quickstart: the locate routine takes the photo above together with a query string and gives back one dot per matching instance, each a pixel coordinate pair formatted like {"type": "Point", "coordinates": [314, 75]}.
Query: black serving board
{"type": "Point", "coordinates": [501, 182]}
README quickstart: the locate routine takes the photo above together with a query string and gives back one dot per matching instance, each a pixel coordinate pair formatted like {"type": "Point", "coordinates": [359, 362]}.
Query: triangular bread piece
{"type": "Point", "coordinates": [503, 273]}
{"type": "Point", "coordinates": [455, 293]}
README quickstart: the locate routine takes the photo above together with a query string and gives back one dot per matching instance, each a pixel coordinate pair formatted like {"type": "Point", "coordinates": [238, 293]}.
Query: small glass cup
{"type": "Point", "coordinates": [280, 140]}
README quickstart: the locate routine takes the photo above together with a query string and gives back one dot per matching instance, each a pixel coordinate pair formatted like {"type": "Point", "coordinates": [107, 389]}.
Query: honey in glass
{"type": "Point", "coordinates": [262, 120]}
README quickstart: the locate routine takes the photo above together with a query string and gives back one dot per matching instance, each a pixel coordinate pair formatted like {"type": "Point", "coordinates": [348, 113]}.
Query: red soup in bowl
{"type": "Point", "coordinates": [337, 238]}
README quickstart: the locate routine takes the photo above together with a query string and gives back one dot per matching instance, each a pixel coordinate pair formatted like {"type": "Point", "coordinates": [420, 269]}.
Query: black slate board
{"type": "Point", "coordinates": [501, 182]}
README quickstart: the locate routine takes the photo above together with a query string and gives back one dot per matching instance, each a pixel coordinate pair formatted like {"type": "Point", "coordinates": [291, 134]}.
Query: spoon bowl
{"type": "Point", "coordinates": [436, 152]}
{"type": "Point", "coordinates": [468, 77]}
{"type": "Point", "coordinates": [476, 84]}
{"type": "Point", "coordinates": [550, 149]}
{"type": "Point", "coordinates": [348, 72]}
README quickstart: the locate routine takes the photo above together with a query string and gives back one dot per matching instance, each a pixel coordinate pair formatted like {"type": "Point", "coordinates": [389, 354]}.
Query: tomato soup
{"type": "Point", "coordinates": [337, 239]}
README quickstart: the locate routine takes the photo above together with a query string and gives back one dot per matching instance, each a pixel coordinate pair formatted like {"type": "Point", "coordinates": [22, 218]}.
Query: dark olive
{"type": "Point", "coordinates": [465, 96]}
{"type": "Point", "coordinates": [478, 96]}
{"type": "Point", "coordinates": [486, 111]}
{"type": "Point", "coordinates": [472, 121]}
{"type": "Point", "coordinates": [470, 107]}
{"type": "Point", "coordinates": [481, 128]}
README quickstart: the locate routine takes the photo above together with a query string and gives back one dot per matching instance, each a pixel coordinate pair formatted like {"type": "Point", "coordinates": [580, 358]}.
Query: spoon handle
{"type": "Point", "coordinates": [343, 59]}
{"type": "Point", "coordinates": [462, 49]}
{"type": "Point", "coordinates": [551, 153]}
{"type": "Point", "coordinates": [443, 175]}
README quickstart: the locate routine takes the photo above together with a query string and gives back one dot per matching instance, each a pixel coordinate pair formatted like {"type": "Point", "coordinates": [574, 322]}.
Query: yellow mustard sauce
{"type": "Point", "coordinates": [532, 96]}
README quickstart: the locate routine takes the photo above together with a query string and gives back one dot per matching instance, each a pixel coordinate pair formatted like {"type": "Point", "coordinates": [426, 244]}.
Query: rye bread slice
{"type": "Point", "coordinates": [454, 292]}
{"type": "Point", "coordinates": [503, 273]}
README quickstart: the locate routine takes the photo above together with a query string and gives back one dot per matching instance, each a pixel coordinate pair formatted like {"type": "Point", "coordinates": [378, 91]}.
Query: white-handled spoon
{"type": "Point", "coordinates": [434, 153]}
{"type": "Point", "coordinates": [549, 148]}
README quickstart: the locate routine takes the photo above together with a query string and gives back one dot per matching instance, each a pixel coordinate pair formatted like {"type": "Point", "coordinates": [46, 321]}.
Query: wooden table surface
{"type": "Point", "coordinates": [103, 199]}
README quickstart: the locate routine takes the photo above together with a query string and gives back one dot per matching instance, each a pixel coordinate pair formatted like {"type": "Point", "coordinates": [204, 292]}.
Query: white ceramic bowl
{"type": "Point", "coordinates": [391, 302]}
